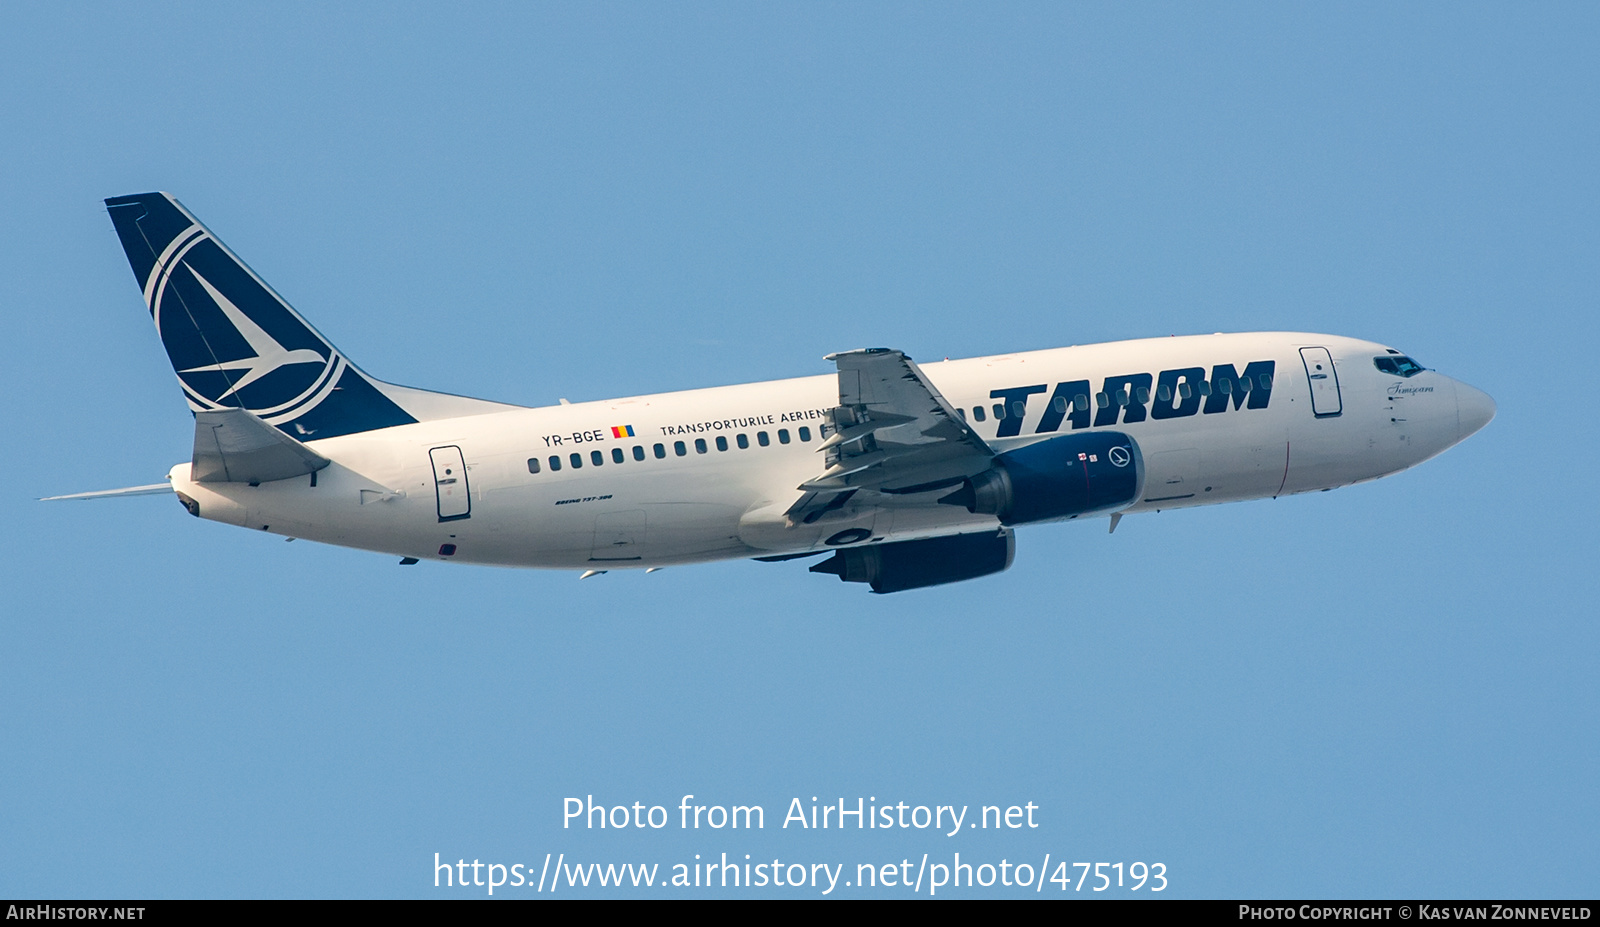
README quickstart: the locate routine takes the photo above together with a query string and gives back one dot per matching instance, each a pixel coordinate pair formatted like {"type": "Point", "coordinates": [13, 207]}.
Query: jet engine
{"type": "Point", "coordinates": [906, 565]}
{"type": "Point", "coordinates": [1065, 477]}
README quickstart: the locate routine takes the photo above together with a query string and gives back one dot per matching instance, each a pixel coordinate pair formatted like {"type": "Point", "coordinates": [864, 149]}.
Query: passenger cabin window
{"type": "Point", "coordinates": [679, 448]}
{"type": "Point", "coordinates": [762, 439]}
{"type": "Point", "coordinates": [699, 445]}
{"type": "Point", "coordinates": [596, 458]}
{"type": "Point", "coordinates": [999, 411]}
{"type": "Point", "coordinates": [1102, 400]}
{"type": "Point", "coordinates": [722, 443]}
{"type": "Point", "coordinates": [555, 463]}
{"type": "Point", "coordinates": [805, 433]}
{"type": "Point", "coordinates": [783, 436]}
{"type": "Point", "coordinates": [638, 452]}
{"type": "Point", "coordinates": [1399, 365]}
{"type": "Point", "coordinates": [1061, 404]}
{"type": "Point", "coordinates": [743, 441]}
{"type": "Point", "coordinates": [616, 455]}
{"type": "Point", "coordinates": [1141, 395]}
{"type": "Point", "coordinates": [533, 465]}
{"type": "Point", "coordinates": [576, 460]}
{"type": "Point", "coordinates": [661, 452]}
{"type": "Point", "coordinates": [1081, 402]}
{"type": "Point", "coordinates": [977, 414]}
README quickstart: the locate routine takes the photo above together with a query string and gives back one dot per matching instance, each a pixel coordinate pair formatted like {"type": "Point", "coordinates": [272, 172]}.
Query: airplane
{"type": "Point", "coordinates": [904, 476]}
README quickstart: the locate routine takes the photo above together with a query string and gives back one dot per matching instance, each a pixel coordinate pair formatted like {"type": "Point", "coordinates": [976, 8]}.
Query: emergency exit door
{"type": "Point", "coordinates": [1325, 400]}
{"type": "Point", "coordinates": [450, 483]}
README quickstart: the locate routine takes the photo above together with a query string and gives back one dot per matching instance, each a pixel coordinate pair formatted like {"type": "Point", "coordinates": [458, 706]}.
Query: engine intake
{"type": "Point", "coordinates": [1065, 477]}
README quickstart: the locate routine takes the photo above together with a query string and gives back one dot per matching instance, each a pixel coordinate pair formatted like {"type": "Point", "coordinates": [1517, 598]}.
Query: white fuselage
{"type": "Point", "coordinates": [388, 489]}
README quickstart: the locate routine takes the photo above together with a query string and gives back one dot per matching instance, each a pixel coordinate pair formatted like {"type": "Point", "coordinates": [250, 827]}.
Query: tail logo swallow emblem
{"type": "Point", "coordinates": [279, 399]}
{"type": "Point", "coordinates": [269, 356]}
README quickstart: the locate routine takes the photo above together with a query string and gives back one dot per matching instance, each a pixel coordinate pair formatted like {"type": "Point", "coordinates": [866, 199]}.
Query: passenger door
{"type": "Point", "coordinates": [450, 483]}
{"type": "Point", "coordinates": [1325, 400]}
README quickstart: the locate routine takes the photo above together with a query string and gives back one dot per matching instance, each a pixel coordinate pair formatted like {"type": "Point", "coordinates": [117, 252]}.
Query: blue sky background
{"type": "Point", "coordinates": [1383, 691]}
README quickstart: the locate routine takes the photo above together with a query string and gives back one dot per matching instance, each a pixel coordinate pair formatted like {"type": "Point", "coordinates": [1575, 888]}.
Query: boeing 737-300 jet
{"type": "Point", "coordinates": [904, 475]}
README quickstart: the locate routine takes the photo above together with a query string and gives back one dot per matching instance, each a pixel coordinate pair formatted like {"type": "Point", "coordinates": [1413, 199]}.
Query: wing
{"type": "Point", "coordinates": [891, 433]}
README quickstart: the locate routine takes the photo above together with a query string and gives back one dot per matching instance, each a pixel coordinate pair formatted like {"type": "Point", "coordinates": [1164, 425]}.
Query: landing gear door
{"type": "Point", "coordinates": [450, 483]}
{"type": "Point", "coordinates": [1325, 401]}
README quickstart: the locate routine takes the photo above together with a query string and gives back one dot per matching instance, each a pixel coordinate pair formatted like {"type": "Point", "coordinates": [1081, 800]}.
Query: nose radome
{"type": "Point", "coordinates": [1474, 409]}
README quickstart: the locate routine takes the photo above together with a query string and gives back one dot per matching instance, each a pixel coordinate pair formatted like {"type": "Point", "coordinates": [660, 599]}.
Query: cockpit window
{"type": "Point", "coordinates": [1399, 365]}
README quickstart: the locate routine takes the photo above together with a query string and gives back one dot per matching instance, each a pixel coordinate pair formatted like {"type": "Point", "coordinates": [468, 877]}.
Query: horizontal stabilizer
{"type": "Point", "coordinates": [154, 489]}
{"type": "Point", "coordinates": [234, 446]}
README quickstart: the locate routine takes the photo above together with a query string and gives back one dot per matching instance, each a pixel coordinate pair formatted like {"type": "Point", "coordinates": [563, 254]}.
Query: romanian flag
{"type": "Point", "coordinates": [621, 431]}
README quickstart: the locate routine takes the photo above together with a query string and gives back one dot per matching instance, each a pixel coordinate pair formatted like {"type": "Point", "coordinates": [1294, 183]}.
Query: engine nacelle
{"type": "Point", "coordinates": [1087, 474]}
{"type": "Point", "coordinates": [930, 562]}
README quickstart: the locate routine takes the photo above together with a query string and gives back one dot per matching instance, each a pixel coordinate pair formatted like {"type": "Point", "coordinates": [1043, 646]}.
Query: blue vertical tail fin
{"type": "Point", "coordinates": [235, 343]}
